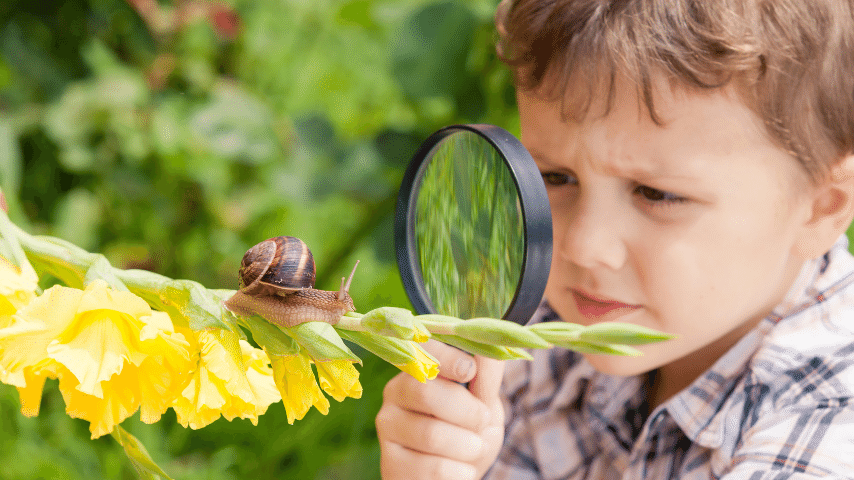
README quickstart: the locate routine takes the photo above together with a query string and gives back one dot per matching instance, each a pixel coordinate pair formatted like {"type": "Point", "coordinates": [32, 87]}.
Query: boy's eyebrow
{"type": "Point", "coordinates": [639, 173]}
{"type": "Point", "coordinates": [540, 157]}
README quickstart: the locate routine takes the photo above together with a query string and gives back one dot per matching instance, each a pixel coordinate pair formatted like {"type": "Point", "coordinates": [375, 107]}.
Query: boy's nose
{"type": "Point", "coordinates": [592, 238]}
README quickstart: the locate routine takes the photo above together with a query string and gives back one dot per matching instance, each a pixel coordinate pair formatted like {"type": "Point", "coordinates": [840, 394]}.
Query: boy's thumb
{"type": "Point", "coordinates": [487, 380]}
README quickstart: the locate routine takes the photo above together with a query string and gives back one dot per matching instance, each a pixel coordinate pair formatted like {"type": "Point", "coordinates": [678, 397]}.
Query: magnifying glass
{"type": "Point", "coordinates": [473, 229]}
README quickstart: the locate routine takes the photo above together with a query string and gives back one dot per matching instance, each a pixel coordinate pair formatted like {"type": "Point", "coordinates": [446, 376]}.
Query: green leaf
{"type": "Point", "coordinates": [100, 269]}
{"type": "Point", "coordinates": [187, 300]}
{"type": "Point", "coordinates": [271, 337]}
{"type": "Point", "coordinates": [431, 49]}
{"type": "Point", "coordinates": [10, 162]}
{"type": "Point", "coordinates": [65, 261]}
{"type": "Point", "coordinates": [78, 218]}
{"type": "Point", "coordinates": [142, 462]}
{"type": "Point", "coordinates": [321, 341]}
{"type": "Point", "coordinates": [234, 126]}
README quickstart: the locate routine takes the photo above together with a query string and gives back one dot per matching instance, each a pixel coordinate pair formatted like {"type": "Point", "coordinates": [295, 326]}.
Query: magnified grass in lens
{"type": "Point", "coordinates": [469, 229]}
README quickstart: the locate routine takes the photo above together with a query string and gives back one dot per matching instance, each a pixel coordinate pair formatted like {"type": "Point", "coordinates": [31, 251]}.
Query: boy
{"type": "Point", "coordinates": [699, 164]}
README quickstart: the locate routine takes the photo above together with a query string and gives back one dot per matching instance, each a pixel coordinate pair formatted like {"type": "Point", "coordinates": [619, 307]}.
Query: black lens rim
{"type": "Point", "coordinates": [536, 219]}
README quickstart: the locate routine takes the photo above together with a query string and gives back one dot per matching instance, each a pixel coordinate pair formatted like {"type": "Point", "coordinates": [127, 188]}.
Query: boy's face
{"type": "Point", "coordinates": [689, 228]}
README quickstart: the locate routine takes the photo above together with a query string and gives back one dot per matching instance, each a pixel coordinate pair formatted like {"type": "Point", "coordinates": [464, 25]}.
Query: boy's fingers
{"type": "Point", "coordinates": [487, 380]}
{"type": "Point", "coordinates": [428, 435]}
{"type": "Point", "coordinates": [454, 364]}
{"type": "Point", "coordinates": [440, 398]}
{"type": "Point", "coordinates": [398, 462]}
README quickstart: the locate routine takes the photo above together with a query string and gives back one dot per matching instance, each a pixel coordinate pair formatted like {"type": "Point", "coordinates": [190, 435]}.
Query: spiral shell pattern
{"type": "Point", "coordinates": [278, 266]}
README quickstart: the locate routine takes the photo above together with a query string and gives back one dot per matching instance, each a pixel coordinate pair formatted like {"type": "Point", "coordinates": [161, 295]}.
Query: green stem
{"type": "Point", "coordinates": [63, 260]}
{"type": "Point", "coordinates": [16, 253]}
{"type": "Point", "coordinates": [201, 308]}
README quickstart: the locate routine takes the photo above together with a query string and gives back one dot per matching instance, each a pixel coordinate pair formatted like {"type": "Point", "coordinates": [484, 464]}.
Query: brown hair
{"type": "Point", "coordinates": [792, 61]}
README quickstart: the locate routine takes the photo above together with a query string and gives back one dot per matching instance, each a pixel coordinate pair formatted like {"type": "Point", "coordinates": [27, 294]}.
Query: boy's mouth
{"type": "Point", "coordinates": [591, 307]}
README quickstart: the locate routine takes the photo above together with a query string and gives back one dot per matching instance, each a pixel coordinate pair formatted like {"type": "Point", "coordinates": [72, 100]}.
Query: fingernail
{"type": "Point", "coordinates": [463, 368]}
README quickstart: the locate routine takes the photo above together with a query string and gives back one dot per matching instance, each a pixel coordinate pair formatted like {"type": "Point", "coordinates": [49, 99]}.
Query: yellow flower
{"type": "Point", "coordinates": [298, 386]}
{"type": "Point", "coordinates": [111, 353]}
{"type": "Point", "coordinates": [339, 378]}
{"type": "Point", "coordinates": [233, 380]}
{"type": "Point", "coordinates": [424, 367]}
{"type": "Point", "coordinates": [16, 289]}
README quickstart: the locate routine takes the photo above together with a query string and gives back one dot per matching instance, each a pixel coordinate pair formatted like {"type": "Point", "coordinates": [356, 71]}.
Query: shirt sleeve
{"type": "Point", "coordinates": [798, 443]}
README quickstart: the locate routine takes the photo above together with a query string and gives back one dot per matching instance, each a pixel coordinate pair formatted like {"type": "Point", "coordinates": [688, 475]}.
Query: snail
{"type": "Point", "coordinates": [277, 282]}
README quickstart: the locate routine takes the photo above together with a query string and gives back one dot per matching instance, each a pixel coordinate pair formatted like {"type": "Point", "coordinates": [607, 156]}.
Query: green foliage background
{"type": "Point", "coordinates": [174, 135]}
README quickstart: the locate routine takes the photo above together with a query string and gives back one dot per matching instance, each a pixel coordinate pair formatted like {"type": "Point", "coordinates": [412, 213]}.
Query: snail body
{"type": "Point", "coordinates": [277, 282]}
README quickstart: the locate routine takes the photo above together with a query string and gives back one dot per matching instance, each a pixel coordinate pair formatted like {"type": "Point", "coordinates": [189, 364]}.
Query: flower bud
{"type": "Point", "coordinates": [499, 332]}
{"type": "Point", "coordinates": [600, 348]}
{"type": "Point", "coordinates": [622, 333]}
{"type": "Point", "coordinates": [395, 322]}
{"type": "Point", "coordinates": [484, 349]}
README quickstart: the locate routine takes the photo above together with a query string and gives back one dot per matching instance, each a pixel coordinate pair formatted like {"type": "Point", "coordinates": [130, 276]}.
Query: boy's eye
{"type": "Point", "coordinates": [655, 195]}
{"type": "Point", "coordinates": [556, 178]}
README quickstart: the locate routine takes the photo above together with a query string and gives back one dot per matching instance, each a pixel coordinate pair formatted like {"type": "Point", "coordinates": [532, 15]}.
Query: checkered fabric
{"type": "Point", "coordinates": [778, 405]}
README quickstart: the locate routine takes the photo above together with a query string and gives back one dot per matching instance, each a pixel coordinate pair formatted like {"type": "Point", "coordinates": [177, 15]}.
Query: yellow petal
{"type": "Point", "coordinates": [93, 349]}
{"type": "Point", "coordinates": [339, 378]}
{"type": "Point", "coordinates": [120, 402]}
{"type": "Point", "coordinates": [16, 288]}
{"type": "Point", "coordinates": [161, 380]}
{"type": "Point", "coordinates": [423, 368]}
{"type": "Point", "coordinates": [98, 296]}
{"type": "Point", "coordinates": [24, 342]}
{"type": "Point", "coordinates": [233, 380]}
{"type": "Point", "coordinates": [222, 356]}
{"type": "Point", "coordinates": [16, 378]}
{"type": "Point", "coordinates": [109, 361]}
{"type": "Point", "coordinates": [200, 402]}
{"type": "Point", "coordinates": [31, 393]}
{"type": "Point", "coordinates": [260, 376]}
{"type": "Point", "coordinates": [297, 386]}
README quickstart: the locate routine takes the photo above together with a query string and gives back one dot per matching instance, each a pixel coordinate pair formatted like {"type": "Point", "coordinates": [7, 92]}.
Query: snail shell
{"type": "Point", "coordinates": [277, 283]}
{"type": "Point", "coordinates": [278, 266]}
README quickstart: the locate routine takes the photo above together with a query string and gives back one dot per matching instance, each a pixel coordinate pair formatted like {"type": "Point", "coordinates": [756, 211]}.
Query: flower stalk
{"type": "Point", "coordinates": [121, 341]}
{"type": "Point", "coordinates": [216, 371]}
{"type": "Point", "coordinates": [498, 338]}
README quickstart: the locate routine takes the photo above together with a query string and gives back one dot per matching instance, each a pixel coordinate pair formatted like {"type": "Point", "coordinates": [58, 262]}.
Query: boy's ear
{"type": "Point", "coordinates": [832, 210]}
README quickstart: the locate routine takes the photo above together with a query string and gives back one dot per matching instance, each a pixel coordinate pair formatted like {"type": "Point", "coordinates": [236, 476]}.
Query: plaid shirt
{"type": "Point", "coordinates": [777, 405]}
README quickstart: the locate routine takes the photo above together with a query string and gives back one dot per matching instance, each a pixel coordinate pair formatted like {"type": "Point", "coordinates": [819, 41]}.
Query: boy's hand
{"type": "Point", "coordinates": [441, 430]}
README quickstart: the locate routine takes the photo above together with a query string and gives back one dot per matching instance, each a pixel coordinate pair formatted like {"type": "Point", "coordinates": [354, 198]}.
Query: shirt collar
{"type": "Point", "coordinates": [701, 408]}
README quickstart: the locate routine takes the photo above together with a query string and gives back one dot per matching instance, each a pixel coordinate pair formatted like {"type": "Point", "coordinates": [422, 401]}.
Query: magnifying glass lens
{"type": "Point", "coordinates": [473, 227]}
{"type": "Point", "coordinates": [469, 228]}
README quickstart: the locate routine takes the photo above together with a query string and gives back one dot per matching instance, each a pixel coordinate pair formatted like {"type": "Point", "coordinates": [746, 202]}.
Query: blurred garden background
{"type": "Point", "coordinates": [173, 135]}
